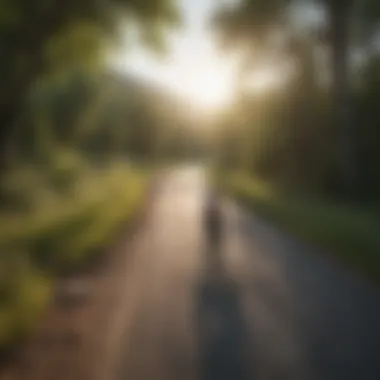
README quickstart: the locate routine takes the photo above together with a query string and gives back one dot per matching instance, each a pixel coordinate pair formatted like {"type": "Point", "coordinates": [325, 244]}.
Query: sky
{"type": "Point", "coordinates": [194, 67]}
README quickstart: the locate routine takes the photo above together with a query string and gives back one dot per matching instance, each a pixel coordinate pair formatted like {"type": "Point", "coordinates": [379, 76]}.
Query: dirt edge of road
{"type": "Point", "coordinates": [70, 340]}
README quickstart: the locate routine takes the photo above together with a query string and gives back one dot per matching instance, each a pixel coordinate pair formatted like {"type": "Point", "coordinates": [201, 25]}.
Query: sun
{"type": "Point", "coordinates": [198, 72]}
{"type": "Point", "coordinates": [208, 89]}
{"type": "Point", "coordinates": [194, 70]}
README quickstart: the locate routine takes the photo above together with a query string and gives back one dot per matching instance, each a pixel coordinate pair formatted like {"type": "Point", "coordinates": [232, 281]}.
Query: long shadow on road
{"type": "Point", "coordinates": [337, 315]}
{"type": "Point", "coordinates": [221, 329]}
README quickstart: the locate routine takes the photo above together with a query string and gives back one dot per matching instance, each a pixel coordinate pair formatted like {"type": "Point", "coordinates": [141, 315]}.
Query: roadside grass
{"type": "Point", "coordinates": [350, 233]}
{"type": "Point", "coordinates": [42, 237]}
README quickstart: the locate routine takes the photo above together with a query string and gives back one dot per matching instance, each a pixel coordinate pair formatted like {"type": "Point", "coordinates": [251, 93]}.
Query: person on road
{"type": "Point", "coordinates": [213, 220]}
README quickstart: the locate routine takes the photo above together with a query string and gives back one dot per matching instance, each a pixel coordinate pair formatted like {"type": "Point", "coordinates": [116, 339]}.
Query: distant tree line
{"type": "Point", "coordinates": [320, 131]}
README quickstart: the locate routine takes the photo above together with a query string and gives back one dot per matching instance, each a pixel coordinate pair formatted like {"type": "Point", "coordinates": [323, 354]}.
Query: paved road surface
{"type": "Point", "coordinates": [264, 307]}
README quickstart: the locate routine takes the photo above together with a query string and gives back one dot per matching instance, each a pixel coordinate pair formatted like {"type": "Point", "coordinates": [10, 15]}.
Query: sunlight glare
{"type": "Point", "coordinates": [193, 70]}
{"type": "Point", "coordinates": [209, 88]}
{"type": "Point", "coordinates": [264, 79]}
{"type": "Point", "coordinates": [201, 75]}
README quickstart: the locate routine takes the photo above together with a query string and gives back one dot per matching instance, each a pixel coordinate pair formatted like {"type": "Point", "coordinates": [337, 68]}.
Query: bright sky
{"type": "Point", "coordinates": [194, 67]}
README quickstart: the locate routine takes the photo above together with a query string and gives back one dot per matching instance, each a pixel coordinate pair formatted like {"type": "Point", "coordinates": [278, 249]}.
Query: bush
{"type": "Point", "coordinates": [25, 293]}
{"type": "Point", "coordinates": [352, 234]}
{"type": "Point", "coordinates": [61, 234]}
{"type": "Point", "coordinates": [65, 169]}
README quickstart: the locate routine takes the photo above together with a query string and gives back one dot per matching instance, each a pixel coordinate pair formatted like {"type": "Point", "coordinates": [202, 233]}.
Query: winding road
{"type": "Point", "coordinates": [262, 307]}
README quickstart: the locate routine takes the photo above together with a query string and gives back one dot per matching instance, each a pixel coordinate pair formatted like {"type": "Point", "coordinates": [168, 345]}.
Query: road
{"type": "Point", "coordinates": [264, 307]}
{"type": "Point", "coordinates": [167, 307]}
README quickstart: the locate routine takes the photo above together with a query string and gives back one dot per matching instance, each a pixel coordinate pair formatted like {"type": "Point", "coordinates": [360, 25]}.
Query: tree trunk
{"type": "Point", "coordinates": [339, 14]}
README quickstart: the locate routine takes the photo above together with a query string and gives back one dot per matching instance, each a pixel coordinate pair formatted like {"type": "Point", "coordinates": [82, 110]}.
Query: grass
{"type": "Point", "coordinates": [24, 297]}
{"type": "Point", "coordinates": [58, 232]}
{"type": "Point", "coordinates": [351, 234]}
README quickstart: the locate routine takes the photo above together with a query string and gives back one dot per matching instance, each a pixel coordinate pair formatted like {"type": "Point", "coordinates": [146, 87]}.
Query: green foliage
{"type": "Point", "coordinates": [25, 293]}
{"type": "Point", "coordinates": [64, 123]}
{"type": "Point", "coordinates": [41, 37]}
{"type": "Point", "coordinates": [80, 44]}
{"type": "Point", "coordinates": [249, 26]}
{"type": "Point", "coordinates": [284, 136]}
{"type": "Point", "coordinates": [62, 234]}
{"type": "Point", "coordinates": [249, 23]}
{"type": "Point", "coordinates": [102, 115]}
{"type": "Point", "coordinates": [349, 233]}
{"type": "Point", "coordinates": [286, 144]}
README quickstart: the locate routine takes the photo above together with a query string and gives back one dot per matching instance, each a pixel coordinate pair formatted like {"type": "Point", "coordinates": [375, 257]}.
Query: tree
{"type": "Point", "coordinates": [252, 22]}
{"type": "Point", "coordinates": [33, 33]}
{"type": "Point", "coordinates": [339, 30]}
